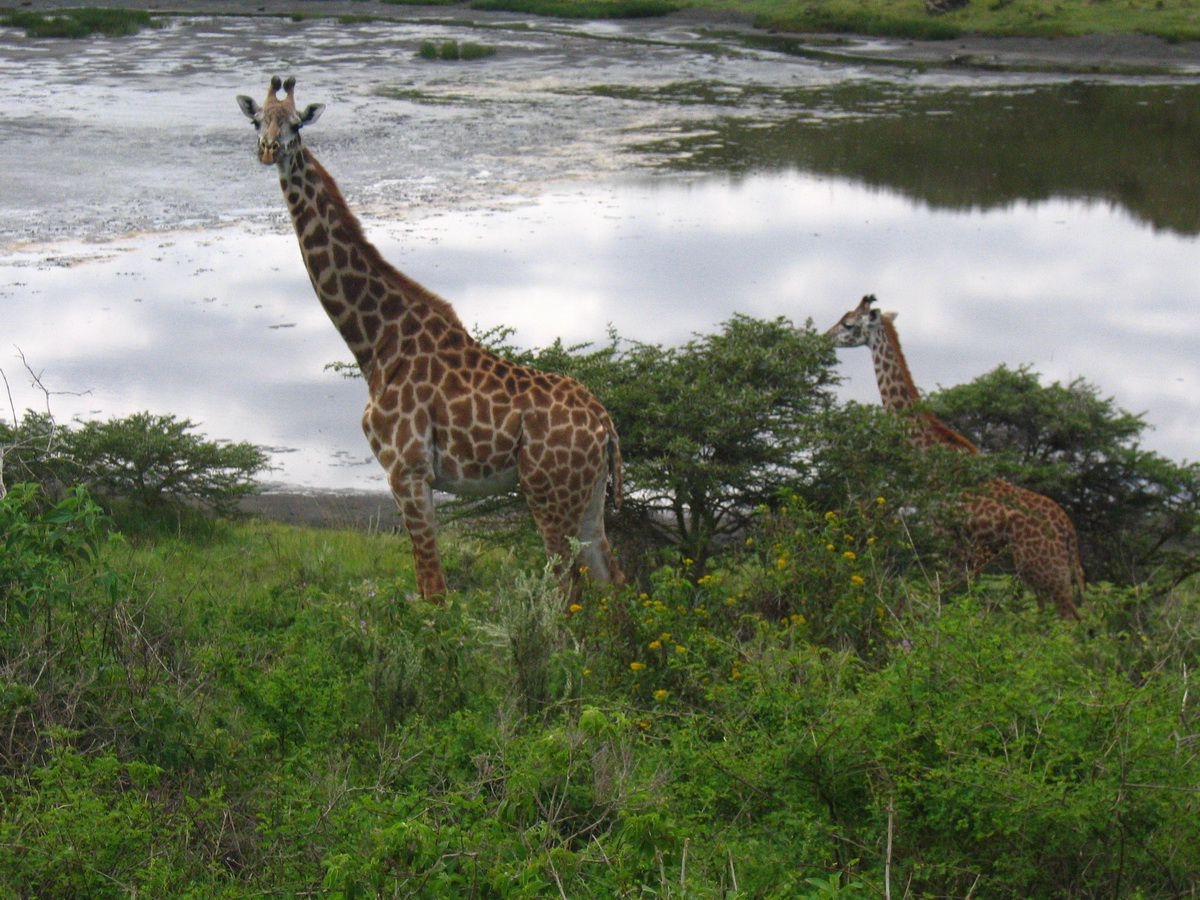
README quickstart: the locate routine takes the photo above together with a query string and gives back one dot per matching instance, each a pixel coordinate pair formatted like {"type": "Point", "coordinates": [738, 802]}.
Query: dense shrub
{"type": "Point", "coordinates": [148, 460]}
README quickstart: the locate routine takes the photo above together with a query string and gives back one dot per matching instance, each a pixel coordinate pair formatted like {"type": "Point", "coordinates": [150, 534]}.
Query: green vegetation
{"type": "Point", "coordinates": [453, 50]}
{"type": "Point", "coordinates": [253, 709]}
{"type": "Point", "coordinates": [77, 23]}
{"type": "Point", "coordinates": [710, 430]}
{"type": "Point", "coordinates": [584, 9]}
{"type": "Point", "coordinates": [216, 707]}
{"type": "Point", "coordinates": [150, 461]}
{"type": "Point", "coordinates": [1170, 19]}
{"type": "Point", "coordinates": [1173, 20]}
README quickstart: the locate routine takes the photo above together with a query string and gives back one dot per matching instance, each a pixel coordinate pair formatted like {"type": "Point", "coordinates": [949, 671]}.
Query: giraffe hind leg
{"type": "Point", "coordinates": [596, 550]}
{"type": "Point", "coordinates": [1048, 577]}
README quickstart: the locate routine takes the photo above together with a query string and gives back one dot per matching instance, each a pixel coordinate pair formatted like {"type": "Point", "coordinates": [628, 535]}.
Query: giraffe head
{"type": "Point", "coordinates": [277, 122]}
{"type": "Point", "coordinates": [859, 326]}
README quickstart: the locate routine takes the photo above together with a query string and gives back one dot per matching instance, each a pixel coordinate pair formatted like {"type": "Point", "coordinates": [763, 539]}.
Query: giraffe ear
{"type": "Point", "coordinates": [311, 113]}
{"type": "Point", "coordinates": [250, 108]}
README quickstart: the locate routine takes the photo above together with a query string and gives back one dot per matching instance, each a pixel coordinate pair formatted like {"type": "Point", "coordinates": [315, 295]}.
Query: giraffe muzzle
{"type": "Point", "coordinates": [268, 151]}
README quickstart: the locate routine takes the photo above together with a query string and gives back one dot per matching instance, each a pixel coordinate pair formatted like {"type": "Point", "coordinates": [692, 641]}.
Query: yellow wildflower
{"type": "Point", "coordinates": [656, 645]}
{"type": "Point", "coordinates": [679, 648]}
{"type": "Point", "coordinates": [830, 516]}
{"type": "Point", "coordinates": [636, 666]}
{"type": "Point", "coordinates": [660, 694]}
{"type": "Point", "coordinates": [574, 608]}
{"type": "Point", "coordinates": [857, 580]}
{"type": "Point", "coordinates": [850, 554]}
{"type": "Point", "coordinates": [880, 501]}
{"type": "Point", "coordinates": [830, 547]}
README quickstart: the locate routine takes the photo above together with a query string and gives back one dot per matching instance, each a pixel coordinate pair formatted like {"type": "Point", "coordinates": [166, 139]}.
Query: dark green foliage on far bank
{"type": "Point", "coordinates": [583, 9]}
{"type": "Point", "coordinates": [78, 23]}
{"type": "Point", "coordinates": [452, 50]}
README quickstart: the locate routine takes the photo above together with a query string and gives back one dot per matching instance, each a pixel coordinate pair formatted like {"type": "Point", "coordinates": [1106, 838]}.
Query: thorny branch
{"type": "Point", "coordinates": [17, 442]}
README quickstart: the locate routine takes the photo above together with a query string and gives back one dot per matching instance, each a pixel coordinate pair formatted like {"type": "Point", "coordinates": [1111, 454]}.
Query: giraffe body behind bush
{"type": "Point", "coordinates": [999, 517]}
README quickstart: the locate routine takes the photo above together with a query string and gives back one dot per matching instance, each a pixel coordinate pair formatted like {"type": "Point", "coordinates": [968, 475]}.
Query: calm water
{"type": "Point", "coordinates": [576, 181]}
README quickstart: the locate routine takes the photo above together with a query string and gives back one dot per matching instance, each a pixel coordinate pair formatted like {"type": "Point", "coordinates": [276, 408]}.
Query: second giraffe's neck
{"type": "Point", "coordinates": [899, 392]}
{"type": "Point", "coordinates": [360, 291]}
{"type": "Point", "coordinates": [896, 386]}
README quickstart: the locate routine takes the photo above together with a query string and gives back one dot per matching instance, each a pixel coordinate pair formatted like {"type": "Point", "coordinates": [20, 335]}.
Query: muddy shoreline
{"type": "Point", "coordinates": [358, 510]}
{"type": "Point", "coordinates": [1130, 53]}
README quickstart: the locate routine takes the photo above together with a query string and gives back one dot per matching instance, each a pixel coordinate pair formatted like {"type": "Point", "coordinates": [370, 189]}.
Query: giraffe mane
{"type": "Point", "coordinates": [945, 434]}
{"type": "Point", "coordinates": [373, 258]}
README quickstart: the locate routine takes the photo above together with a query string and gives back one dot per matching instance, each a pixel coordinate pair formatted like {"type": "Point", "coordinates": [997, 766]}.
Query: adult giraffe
{"type": "Point", "coordinates": [442, 411]}
{"type": "Point", "coordinates": [1033, 529]}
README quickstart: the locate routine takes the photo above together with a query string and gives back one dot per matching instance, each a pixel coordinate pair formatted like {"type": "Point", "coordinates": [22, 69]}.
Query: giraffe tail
{"type": "Point", "coordinates": [615, 469]}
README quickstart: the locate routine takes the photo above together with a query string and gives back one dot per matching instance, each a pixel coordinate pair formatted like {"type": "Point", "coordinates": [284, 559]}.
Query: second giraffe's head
{"type": "Point", "coordinates": [855, 328]}
{"type": "Point", "coordinates": [277, 122]}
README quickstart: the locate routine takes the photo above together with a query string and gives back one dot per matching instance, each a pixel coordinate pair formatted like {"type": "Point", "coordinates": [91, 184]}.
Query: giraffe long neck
{"type": "Point", "coordinates": [896, 386]}
{"type": "Point", "coordinates": [361, 292]}
{"type": "Point", "coordinates": [899, 392]}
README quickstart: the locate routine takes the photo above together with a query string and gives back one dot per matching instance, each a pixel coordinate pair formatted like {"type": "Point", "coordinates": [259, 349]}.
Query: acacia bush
{"type": "Point", "coordinates": [145, 459]}
{"type": "Point", "coordinates": [710, 430]}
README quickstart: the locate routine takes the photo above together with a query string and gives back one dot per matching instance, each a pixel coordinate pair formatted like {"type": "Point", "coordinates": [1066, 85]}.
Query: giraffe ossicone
{"type": "Point", "coordinates": [998, 516]}
{"type": "Point", "coordinates": [442, 410]}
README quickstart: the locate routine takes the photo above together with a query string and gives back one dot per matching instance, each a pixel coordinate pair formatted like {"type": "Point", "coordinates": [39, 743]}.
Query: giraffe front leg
{"type": "Point", "coordinates": [414, 497]}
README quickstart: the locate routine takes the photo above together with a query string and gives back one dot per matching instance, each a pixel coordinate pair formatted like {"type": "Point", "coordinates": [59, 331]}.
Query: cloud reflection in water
{"type": "Point", "coordinates": [222, 326]}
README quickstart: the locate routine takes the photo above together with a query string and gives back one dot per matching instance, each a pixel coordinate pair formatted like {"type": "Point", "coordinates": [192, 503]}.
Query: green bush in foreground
{"type": "Point", "coordinates": [264, 711]}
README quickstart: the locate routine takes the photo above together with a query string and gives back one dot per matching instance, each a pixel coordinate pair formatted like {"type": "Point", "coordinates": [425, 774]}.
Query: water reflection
{"type": "Point", "coordinates": [1134, 145]}
{"type": "Point", "coordinates": [654, 181]}
{"type": "Point", "coordinates": [222, 326]}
